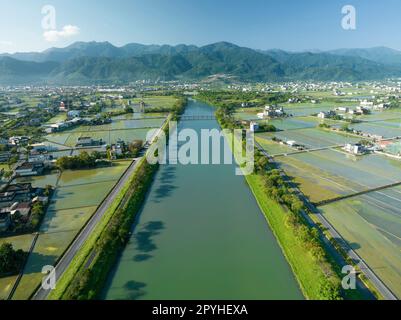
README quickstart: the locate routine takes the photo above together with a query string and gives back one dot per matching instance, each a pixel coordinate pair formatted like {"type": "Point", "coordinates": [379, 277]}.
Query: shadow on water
{"type": "Point", "coordinates": [166, 187]}
{"type": "Point", "coordinates": [144, 243]}
{"type": "Point", "coordinates": [143, 240]}
{"type": "Point", "coordinates": [142, 257]}
{"type": "Point", "coordinates": [134, 289]}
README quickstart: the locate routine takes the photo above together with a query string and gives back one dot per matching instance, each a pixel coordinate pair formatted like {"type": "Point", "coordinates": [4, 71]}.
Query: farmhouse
{"type": "Point", "coordinates": [356, 149]}
{"type": "Point", "coordinates": [326, 114]}
{"type": "Point", "coordinates": [21, 208]}
{"type": "Point", "coordinates": [253, 126]}
{"type": "Point", "coordinates": [16, 202]}
{"type": "Point", "coordinates": [29, 169]}
{"type": "Point", "coordinates": [88, 142]}
{"type": "Point", "coordinates": [366, 103]}
{"type": "Point", "coordinates": [15, 141]}
{"type": "Point", "coordinates": [271, 112]}
{"type": "Point", "coordinates": [343, 109]}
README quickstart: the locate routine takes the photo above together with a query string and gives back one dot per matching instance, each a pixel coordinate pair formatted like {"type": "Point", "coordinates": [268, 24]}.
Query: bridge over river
{"type": "Point", "coordinates": [201, 235]}
{"type": "Point", "coordinates": [196, 117]}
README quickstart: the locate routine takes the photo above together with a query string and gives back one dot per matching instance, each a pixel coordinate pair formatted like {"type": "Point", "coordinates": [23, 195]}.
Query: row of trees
{"type": "Point", "coordinates": [278, 189]}
{"type": "Point", "coordinates": [82, 161]}
{"type": "Point", "coordinates": [236, 98]}
{"type": "Point", "coordinates": [88, 282]}
{"type": "Point", "coordinates": [37, 213]}
{"type": "Point", "coordinates": [266, 127]}
{"type": "Point", "coordinates": [10, 260]}
{"type": "Point", "coordinates": [179, 106]}
{"type": "Point", "coordinates": [225, 116]}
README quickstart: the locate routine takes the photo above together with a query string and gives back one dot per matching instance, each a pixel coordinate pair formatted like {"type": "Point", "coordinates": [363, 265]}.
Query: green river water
{"type": "Point", "coordinates": [201, 235]}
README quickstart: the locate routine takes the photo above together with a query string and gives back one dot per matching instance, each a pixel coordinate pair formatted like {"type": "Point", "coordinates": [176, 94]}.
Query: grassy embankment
{"type": "Point", "coordinates": [316, 278]}
{"type": "Point", "coordinates": [85, 276]}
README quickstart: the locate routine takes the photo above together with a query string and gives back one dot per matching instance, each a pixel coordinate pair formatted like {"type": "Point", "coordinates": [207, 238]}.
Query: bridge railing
{"type": "Point", "coordinates": [196, 117]}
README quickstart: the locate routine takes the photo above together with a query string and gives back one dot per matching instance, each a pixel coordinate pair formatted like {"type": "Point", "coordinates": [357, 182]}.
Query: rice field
{"type": "Point", "coordinates": [76, 198]}
{"type": "Point", "coordinates": [340, 173]}
{"type": "Point", "coordinates": [157, 101]}
{"type": "Point", "coordinates": [371, 224]}
{"type": "Point", "coordinates": [306, 109]}
{"type": "Point", "coordinates": [293, 123]}
{"type": "Point", "coordinates": [270, 146]}
{"type": "Point", "coordinates": [19, 242]}
{"type": "Point", "coordinates": [385, 128]}
{"type": "Point", "coordinates": [126, 130]}
{"type": "Point", "coordinates": [58, 118]}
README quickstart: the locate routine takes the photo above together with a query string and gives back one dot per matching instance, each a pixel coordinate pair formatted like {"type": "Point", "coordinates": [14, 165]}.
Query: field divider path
{"type": "Point", "coordinates": [307, 150]}
{"type": "Point", "coordinates": [328, 201]}
{"type": "Point", "coordinates": [21, 273]}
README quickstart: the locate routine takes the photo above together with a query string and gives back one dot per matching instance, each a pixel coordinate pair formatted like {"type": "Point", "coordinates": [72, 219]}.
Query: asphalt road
{"type": "Point", "coordinates": [76, 245]}
{"type": "Point", "coordinates": [366, 270]}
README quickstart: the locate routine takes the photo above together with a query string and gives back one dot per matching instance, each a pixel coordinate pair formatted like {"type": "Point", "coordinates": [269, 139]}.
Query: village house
{"type": "Point", "coordinates": [63, 107]}
{"type": "Point", "coordinates": [15, 141]}
{"type": "Point", "coordinates": [46, 158]}
{"type": "Point", "coordinates": [38, 147]}
{"type": "Point", "coordinates": [22, 209]}
{"type": "Point", "coordinates": [343, 109]}
{"type": "Point", "coordinates": [88, 142]}
{"type": "Point", "coordinates": [29, 169]}
{"type": "Point", "coordinates": [326, 114]}
{"type": "Point", "coordinates": [16, 202]}
{"type": "Point", "coordinates": [20, 192]}
{"type": "Point", "coordinates": [253, 126]}
{"type": "Point", "coordinates": [117, 149]}
{"type": "Point", "coordinates": [6, 199]}
{"type": "Point", "coordinates": [271, 112]}
{"type": "Point", "coordinates": [356, 149]}
{"type": "Point", "coordinates": [367, 104]}
{"type": "Point", "coordinates": [361, 110]}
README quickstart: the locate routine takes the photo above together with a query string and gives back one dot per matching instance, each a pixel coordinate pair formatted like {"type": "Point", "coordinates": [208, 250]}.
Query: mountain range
{"type": "Point", "coordinates": [104, 63]}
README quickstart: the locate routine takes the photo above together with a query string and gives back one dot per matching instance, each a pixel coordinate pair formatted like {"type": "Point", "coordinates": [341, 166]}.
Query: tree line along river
{"type": "Point", "coordinates": [201, 235]}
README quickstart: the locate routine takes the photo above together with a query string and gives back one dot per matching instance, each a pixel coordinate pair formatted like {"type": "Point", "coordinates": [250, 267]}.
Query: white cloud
{"type": "Point", "coordinates": [67, 32]}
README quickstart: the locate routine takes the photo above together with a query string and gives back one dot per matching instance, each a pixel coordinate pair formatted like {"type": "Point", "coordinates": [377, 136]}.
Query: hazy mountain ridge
{"type": "Point", "coordinates": [101, 62]}
{"type": "Point", "coordinates": [378, 54]}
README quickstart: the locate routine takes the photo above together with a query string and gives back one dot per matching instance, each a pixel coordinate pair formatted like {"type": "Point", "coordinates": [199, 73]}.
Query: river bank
{"type": "Point", "coordinates": [85, 276]}
{"type": "Point", "coordinates": [316, 272]}
{"type": "Point", "coordinates": [201, 235]}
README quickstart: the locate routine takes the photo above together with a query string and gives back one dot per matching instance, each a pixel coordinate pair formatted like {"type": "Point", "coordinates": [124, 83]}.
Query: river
{"type": "Point", "coordinates": [201, 235]}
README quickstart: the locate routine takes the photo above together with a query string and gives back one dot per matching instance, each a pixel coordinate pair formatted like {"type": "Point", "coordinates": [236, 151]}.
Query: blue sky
{"type": "Point", "coordinates": [263, 24]}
